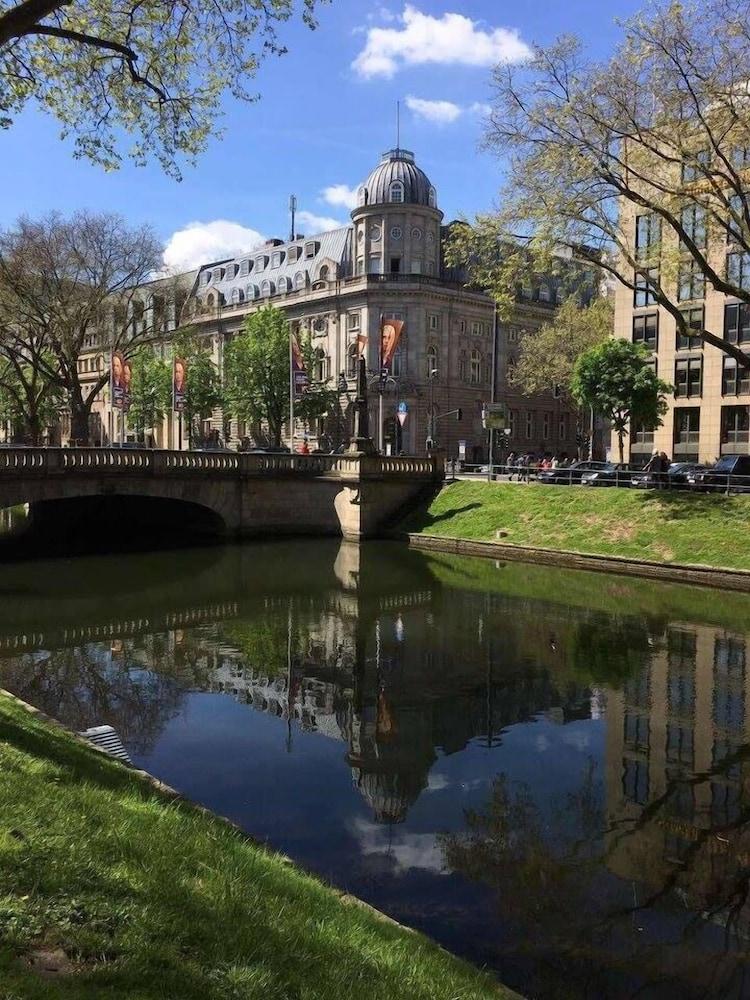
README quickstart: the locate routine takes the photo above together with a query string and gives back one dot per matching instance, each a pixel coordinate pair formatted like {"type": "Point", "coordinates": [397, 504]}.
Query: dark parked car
{"type": "Point", "coordinates": [613, 474]}
{"type": "Point", "coordinates": [679, 476]}
{"type": "Point", "coordinates": [731, 473]}
{"type": "Point", "coordinates": [569, 474]}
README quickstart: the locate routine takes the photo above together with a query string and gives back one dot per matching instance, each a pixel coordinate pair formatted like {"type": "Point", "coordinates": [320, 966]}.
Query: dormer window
{"type": "Point", "coordinates": [309, 250]}
{"type": "Point", "coordinates": [292, 255]}
{"type": "Point", "coordinates": [265, 289]}
{"type": "Point", "coordinates": [218, 273]}
{"type": "Point", "coordinates": [251, 292]}
{"type": "Point", "coordinates": [206, 278]}
{"type": "Point", "coordinates": [396, 191]}
{"type": "Point", "coordinates": [237, 296]}
{"type": "Point", "coordinates": [276, 258]}
{"type": "Point", "coordinates": [260, 263]}
{"type": "Point", "coordinates": [299, 280]}
{"type": "Point", "coordinates": [245, 267]}
{"type": "Point", "coordinates": [283, 284]}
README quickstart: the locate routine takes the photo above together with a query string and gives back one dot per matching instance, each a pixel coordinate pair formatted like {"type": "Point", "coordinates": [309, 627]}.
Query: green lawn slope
{"type": "Point", "coordinates": [109, 889]}
{"type": "Point", "coordinates": [668, 527]}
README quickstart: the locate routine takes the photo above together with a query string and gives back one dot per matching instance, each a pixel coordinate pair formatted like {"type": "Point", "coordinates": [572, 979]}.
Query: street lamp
{"type": "Point", "coordinates": [430, 442]}
{"type": "Point", "coordinates": [381, 380]}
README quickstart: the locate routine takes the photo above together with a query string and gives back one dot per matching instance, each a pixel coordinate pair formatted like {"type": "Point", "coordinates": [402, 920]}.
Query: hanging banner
{"type": "Point", "coordinates": [361, 344]}
{"type": "Point", "coordinates": [300, 380]}
{"type": "Point", "coordinates": [127, 379]}
{"type": "Point", "coordinates": [390, 334]}
{"type": "Point", "coordinates": [117, 380]}
{"type": "Point", "coordinates": [179, 384]}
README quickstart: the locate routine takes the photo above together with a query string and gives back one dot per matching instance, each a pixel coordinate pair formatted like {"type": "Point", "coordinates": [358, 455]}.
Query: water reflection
{"type": "Point", "coordinates": [546, 770]}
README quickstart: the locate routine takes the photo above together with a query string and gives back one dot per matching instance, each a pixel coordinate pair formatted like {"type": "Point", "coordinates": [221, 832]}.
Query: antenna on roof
{"type": "Point", "coordinates": [398, 124]}
{"type": "Point", "coordinates": [293, 210]}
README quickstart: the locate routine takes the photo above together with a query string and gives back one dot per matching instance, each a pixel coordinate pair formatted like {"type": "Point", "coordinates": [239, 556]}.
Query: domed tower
{"type": "Point", "coordinates": [397, 221]}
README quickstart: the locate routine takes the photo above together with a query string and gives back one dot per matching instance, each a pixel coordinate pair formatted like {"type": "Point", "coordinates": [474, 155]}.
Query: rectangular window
{"type": "Point", "coordinates": [693, 221]}
{"type": "Point", "coordinates": [687, 425]}
{"type": "Point", "coordinates": [646, 330]}
{"type": "Point", "coordinates": [546, 422]}
{"type": "Point", "coordinates": [738, 269]}
{"type": "Point", "coordinates": [416, 267]}
{"type": "Point", "coordinates": [735, 424]}
{"type": "Point", "coordinates": [276, 258]}
{"type": "Point", "coordinates": [562, 426]}
{"type": "Point", "coordinates": [529, 426]}
{"type": "Point", "coordinates": [635, 780]}
{"type": "Point", "coordinates": [688, 377]}
{"type": "Point", "coordinates": [512, 335]}
{"type": "Point", "coordinates": [395, 265]}
{"type": "Point", "coordinates": [352, 321]}
{"type": "Point", "coordinates": [373, 264]}
{"type": "Point", "coordinates": [433, 322]}
{"type": "Point", "coordinates": [691, 282]}
{"type": "Point", "coordinates": [647, 234]}
{"type": "Point", "coordinates": [512, 422]}
{"type": "Point", "coordinates": [643, 294]}
{"type": "Point", "coordinates": [636, 732]}
{"type": "Point", "coordinates": [734, 381]}
{"type": "Point", "coordinates": [693, 321]}
{"type": "Point", "coordinates": [736, 216]}
{"type": "Point", "coordinates": [309, 250]}
{"type": "Point", "coordinates": [694, 165]}
{"type": "Point", "coordinates": [643, 435]}
{"type": "Point", "coordinates": [476, 328]}
{"type": "Point", "coordinates": [462, 326]}
{"type": "Point", "coordinates": [737, 323]}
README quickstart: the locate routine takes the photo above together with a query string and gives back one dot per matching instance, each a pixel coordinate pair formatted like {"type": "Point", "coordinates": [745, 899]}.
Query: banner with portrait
{"type": "Point", "coordinates": [117, 380]}
{"type": "Point", "coordinates": [179, 384]}
{"type": "Point", "coordinates": [127, 384]}
{"type": "Point", "coordinates": [300, 378]}
{"type": "Point", "coordinates": [390, 335]}
{"type": "Point", "coordinates": [361, 342]}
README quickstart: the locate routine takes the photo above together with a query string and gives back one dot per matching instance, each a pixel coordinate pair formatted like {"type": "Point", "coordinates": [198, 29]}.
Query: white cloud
{"type": "Point", "coordinates": [340, 195]}
{"type": "Point", "coordinates": [480, 108]}
{"type": "Point", "coordinates": [439, 112]}
{"type": "Point", "coordinates": [452, 39]}
{"type": "Point", "coordinates": [311, 223]}
{"type": "Point", "coordinates": [201, 242]}
{"type": "Point", "coordinates": [406, 850]}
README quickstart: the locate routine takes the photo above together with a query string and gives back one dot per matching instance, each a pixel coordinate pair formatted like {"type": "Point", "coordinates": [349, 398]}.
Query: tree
{"type": "Point", "coordinates": [547, 356]}
{"type": "Point", "coordinates": [656, 139]}
{"type": "Point", "coordinates": [203, 389]}
{"type": "Point", "coordinates": [257, 375]}
{"type": "Point", "coordinates": [150, 391]}
{"type": "Point", "coordinates": [70, 286]}
{"type": "Point", "coordinates": [616, 379]}
{"type": "Point", "coordinates": [156, 70]}
{"type": "Point", "coordinates": [27, 400]}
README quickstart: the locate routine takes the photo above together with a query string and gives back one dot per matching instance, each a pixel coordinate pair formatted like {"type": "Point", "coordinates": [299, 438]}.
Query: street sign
{"type": "Point", "coordinates": [462, 450]}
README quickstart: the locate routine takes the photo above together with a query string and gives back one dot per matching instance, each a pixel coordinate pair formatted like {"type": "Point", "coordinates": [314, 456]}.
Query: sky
{"type": "Point", "coordinates": [327, 112]}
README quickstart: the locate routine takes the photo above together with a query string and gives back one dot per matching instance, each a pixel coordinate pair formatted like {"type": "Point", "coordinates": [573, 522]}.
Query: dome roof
{"type": "Point", "coordinates": [397, 178]}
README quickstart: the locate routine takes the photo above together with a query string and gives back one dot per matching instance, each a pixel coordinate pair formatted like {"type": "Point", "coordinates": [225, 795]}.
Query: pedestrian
{"type": "Point", "coordinates": [304, 448]}
{"type": "Point", "coordinates": [510, 461]}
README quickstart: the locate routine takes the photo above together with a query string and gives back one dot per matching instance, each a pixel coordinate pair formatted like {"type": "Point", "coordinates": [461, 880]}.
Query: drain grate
{"type": "Point", "coordinates": [106, 738]}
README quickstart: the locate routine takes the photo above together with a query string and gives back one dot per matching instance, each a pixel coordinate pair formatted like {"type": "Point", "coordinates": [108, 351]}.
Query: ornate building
{"type": "Point", "coordinates": [338, 286]}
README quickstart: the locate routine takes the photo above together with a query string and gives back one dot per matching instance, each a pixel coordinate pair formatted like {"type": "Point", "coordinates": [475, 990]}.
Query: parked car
{"type": "Point", "coordinates": [568, 475]}
{"type": "Point", "coordinates": [271, 450]}
{"type": "Point", "coordinates": [676, 477]}
{"type": "Point", "coordinates": [613, 474]}
{"type": "Point", "coordinates": [731, 473]}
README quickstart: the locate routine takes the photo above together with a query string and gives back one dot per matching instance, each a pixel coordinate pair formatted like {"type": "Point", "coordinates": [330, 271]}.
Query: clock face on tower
{"type": "Point", "coordinates": [396, 233]}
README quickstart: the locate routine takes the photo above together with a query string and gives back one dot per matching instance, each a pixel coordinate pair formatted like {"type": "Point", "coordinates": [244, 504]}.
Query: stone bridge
{"type": "Point", "coordinates": [352, 495]}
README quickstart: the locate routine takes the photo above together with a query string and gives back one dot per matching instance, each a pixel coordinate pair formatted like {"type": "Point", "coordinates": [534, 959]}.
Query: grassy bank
{"type": "Point", "coordinates": [663, 527]}
{"type": "Point", "coordinates": [127, 894]}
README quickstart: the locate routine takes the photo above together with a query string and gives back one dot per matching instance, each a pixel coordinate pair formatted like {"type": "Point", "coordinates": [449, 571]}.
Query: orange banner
{"type": "Point", "coordinates": [390, 334]}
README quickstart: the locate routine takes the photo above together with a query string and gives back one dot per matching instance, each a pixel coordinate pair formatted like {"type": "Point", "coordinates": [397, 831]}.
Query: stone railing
{"type": "Point", "coordinates": [142, 461]}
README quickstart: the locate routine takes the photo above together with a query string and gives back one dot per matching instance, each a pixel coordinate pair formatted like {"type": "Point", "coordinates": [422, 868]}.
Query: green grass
{"type": "Point", "coordinates": [663, 527]}
{"type": "Point", "coordinates": [150, 898]}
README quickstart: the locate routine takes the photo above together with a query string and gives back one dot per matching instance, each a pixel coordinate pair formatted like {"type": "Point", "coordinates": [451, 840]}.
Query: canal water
{"type": "Point", "coordinates": [547, 771]}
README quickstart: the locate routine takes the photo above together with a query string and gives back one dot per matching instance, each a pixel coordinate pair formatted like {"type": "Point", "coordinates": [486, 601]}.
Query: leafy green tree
{"type": "Point", "coordinates": [547, 356]}
{"type": "Point", "coordinates": [617, 380]}
{"type": "Point", "coordinates": [150, 390]}
{"type": "Point", "coordinates": [257, 375]}
{"type": "Point", "coordinates": [203, 389]}
{"type": "Point", "coordinates": [158, 71]}
{"type": "Point", "coordinates": [28, 401]}
{"type": "Point", "coordinates": [659, 130]}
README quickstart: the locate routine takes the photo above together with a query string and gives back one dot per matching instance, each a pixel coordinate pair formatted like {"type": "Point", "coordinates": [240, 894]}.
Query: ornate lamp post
{"type": "Point", "coordinates": [362, 443]}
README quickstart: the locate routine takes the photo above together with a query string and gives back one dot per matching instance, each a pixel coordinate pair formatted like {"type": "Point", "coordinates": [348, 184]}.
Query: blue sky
{"type": "Point", "coordinates": [327, 111]}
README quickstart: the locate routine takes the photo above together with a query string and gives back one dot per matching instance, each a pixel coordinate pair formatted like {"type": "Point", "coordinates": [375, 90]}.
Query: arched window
{"type": "Point", "coordinates": [320, 365]}
{"type": "Point", "coordinates": [432, 360]}
{"type": "Point", "coordinates": [323, 273]}
{"type": "Point", "coordinates": [476, 367]}
{"type": "Point", "coordinates": [237, 296]}
{"type": "Point", "coordinates": [283, 284]}
{"type": "Point", "coordinates": [251, 292]}
{"type": "Point", "coordinates": [396, 191]}
{"type": "Point", "coordinates": [432, 198]}
{"type": "Point", "coordinates": [352, 360]}
{"type": "Point", "coordinates": [210, 300]}
{"type": "Point", "coordinates": [265, 289]}
{"type": "Point", "coordinates": [299, 280]}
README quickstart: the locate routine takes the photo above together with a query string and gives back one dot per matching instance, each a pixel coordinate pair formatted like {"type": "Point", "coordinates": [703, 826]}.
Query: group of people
{"type": "Point", "coordinates": [525, 465]}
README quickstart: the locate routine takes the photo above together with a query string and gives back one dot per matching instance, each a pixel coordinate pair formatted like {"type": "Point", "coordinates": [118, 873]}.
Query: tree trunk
{"type": "Point", "coordinates": [35, 430]}
{"type": "Point", "coordinates": [79, 423]}
{"type": "Point", "coordinates": [621, 445]}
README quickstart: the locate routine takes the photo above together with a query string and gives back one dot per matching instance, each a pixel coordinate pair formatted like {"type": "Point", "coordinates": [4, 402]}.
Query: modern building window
{"type": "Point", "coordinates": [687, 425]}
{"type": "Point", "coordinates": [691, 282]}
{"type": "Point", "coordinates": [637, 731]}
{"type": "Point", "coordinates": [396, 191]}
{"type": "Point", "coordinates": [432, 360]}
{"type": "Point", "coordinates": [738, 269]}
{"type": "Point", "coordinates": [643, 435]}
{"type": "Point", "coordinates": [693, 321]}
{"type": "Point", "coordinates": [737, 323]}
{"type": "Point", "coordinates": [688, 377]}
{"type": "Point", "coordinates": [730, 654]}
{"type": "Point", "coordinates": [735, 381]}
{"type": "Point", "coordinates": [693, 221]}
{"type": "Point", "coordinates": [645, 281]}
{"type": "Point", "coordinates": [646, 330]}
{"type": "Point", "coordinates": [735, 424]}
{"type": "Point", "coordinates": [635, 780]}
{"type": "Point", "coordinates": [647, 234]}
{"type": "Point", "coordinates": [694, 165]}
{"type": "Point", "coordinates": [476, 367]}
{"type": "Point", "coordinates": [736, 215]}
